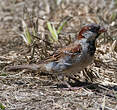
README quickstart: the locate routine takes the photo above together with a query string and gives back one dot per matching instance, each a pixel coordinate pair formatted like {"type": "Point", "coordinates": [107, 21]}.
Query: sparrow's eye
{"type": "Point", "coordinates": [94, 28]}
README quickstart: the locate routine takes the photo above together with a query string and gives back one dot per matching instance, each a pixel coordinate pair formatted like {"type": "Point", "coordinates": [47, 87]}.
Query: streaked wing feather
{"type": "Point", "coordinates": [68, 50]}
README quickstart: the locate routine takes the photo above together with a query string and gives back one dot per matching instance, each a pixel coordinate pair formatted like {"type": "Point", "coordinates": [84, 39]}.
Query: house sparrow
{"type": "Point", "coordinates": [72, 58]}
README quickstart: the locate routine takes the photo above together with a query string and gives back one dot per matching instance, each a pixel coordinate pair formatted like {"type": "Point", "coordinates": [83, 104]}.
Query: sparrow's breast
{"type": "Point", "coordinates": [80, 61]}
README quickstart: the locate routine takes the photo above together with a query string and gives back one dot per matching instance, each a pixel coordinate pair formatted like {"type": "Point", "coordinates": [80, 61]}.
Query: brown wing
{"type": "Point", "coordinates": [68, 50]}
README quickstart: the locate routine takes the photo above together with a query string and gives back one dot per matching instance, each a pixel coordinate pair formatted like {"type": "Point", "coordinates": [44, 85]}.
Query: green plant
{"type": "Point", "coordinates": [55, 32]}
{"type": "Point", "coordinates": [2, 107]}
{"type": "Point", "coordinates": [3, 74]}
{"type": "Point", "coordinates": [29, 34]}
{"type": "Point", "coordinates": [115, 1]}
{"type": "Point", "coordinates": [114, 16]}
{"type": "Point", "coordinates": [27, 37]}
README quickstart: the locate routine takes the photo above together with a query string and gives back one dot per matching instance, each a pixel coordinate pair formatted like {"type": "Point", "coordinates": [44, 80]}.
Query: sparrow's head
{"type": "Point", "coordinates": [90, 32]}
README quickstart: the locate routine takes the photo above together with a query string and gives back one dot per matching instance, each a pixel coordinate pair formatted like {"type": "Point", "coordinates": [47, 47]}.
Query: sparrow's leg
{"type": "Point", "coordinates": [61, 78]}
{"type": "Point", "coordinates": [68, 86]}
{"type": "Point", "coordinates": [89, 75]}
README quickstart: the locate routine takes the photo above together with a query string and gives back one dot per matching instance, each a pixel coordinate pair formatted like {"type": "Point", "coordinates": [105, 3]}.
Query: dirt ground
{"type": "Point", "coordinates": [27, 90]}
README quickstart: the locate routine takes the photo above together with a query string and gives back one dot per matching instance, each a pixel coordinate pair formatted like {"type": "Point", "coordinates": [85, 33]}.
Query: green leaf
{"type": "Point", "coordinates": [60, 28]}
{"type": "Point", "coordinates": [115, 2]}
{"type": "Point", "coordinates": [54, 35]}
{"type": "Point", "coordinates": [2, 107]}
{"type": "Point", "coordinates": [63, 23]}
{"type": "Point", "coordinates": [3, 74]}
{"type": "Point", "coordinates": [54, 32]}
{"type": "Point", "coordinates": [114, 16]}
{"type": "Point", "coordinates": [26, 35]}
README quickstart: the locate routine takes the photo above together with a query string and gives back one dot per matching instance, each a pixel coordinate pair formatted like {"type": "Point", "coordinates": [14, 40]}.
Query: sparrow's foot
{"type": "Point", "coordinates": [70, 88]}
{"type": "Point", "coordinates": [66, 85]}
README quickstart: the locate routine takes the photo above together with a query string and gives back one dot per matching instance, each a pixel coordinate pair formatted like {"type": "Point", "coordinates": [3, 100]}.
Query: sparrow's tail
{"type": "Point", "coordinates": [33, 67]}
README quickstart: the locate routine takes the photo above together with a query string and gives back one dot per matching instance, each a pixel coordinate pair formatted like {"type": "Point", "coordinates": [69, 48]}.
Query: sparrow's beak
{"type": "Point", "coordinates": [101, 30]}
